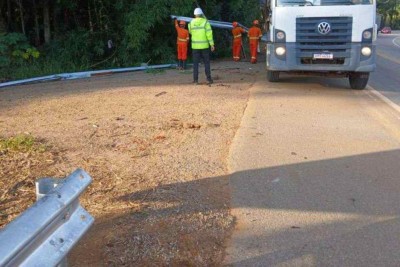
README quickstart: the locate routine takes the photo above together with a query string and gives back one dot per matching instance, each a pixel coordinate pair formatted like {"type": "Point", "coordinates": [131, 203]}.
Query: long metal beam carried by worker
{"type": "Point", "coordinates": [214, 23]}
{"type": "Point", "coordinates": [220, 24]}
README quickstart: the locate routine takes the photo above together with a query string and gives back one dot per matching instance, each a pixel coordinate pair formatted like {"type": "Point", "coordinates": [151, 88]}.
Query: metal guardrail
{"type": "Point", "coordinates": [45, 233]}
{"type": "Point", "coordinates": [83, 74]}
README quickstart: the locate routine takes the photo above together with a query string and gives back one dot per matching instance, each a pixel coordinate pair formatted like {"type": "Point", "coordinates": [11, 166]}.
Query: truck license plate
{"type": "Point", "coordinates": [323, 56]}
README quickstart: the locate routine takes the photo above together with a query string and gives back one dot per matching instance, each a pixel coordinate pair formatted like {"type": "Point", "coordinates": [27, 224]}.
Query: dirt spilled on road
{"type": "Point", "coordinates": [156, 147]}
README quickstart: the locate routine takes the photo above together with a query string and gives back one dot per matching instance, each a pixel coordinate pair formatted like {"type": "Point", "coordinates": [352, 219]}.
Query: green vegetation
{"type": "Point", "coordinates": [15, 52]}
{"type": "Point", "coordinates": [42, 37]}
{"type": "Point", "coordinates": [20, 143]}
{"type": "Point", "coordinates": [390, 11]}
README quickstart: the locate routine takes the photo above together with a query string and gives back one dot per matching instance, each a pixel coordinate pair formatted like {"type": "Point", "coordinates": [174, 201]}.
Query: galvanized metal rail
{"type": "Point", "coordinates": [81, 75]}
{"type": "Point", "coordinates": [219, 24]}
{"type": "Point", "coordinates": [214, 23]}
{"type": "Point", "coordinates": [45, 233]}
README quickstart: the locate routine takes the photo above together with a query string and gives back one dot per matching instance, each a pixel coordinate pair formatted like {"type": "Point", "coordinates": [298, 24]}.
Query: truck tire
{"type": "Point", "coordinates": [272, 76]}
{"type": "Point", "coordinates": [358, 80]}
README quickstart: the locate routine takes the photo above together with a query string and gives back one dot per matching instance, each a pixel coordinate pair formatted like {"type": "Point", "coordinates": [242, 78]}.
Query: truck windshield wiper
{"type": "Point", "coordinates": [299, 2]}
{"type": "Point", "coordinates": [336, 2]}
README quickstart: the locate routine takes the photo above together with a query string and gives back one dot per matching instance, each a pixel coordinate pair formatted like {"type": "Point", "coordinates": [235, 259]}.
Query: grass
{"type": "Point", "coordinates": [20, 143]}
{"type": "Point", "coordinates": [35, 69]}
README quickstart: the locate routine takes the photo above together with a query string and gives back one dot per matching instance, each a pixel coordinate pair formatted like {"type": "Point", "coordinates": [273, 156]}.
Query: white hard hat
{"type": "Point", "coordinates": [198, 11]}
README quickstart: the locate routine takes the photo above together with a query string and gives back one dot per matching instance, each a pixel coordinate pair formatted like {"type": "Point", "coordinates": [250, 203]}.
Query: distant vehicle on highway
{"type": "Point", "coordinates": [386, 30]}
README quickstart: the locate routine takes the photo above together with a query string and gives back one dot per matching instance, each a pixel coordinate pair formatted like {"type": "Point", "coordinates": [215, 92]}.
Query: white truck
{"type": "Point", "coordinates": [322, 37]}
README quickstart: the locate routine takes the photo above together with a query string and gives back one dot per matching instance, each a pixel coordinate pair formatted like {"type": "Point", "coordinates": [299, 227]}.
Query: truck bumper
{"type": "Point", "coordinates": [290, 62]}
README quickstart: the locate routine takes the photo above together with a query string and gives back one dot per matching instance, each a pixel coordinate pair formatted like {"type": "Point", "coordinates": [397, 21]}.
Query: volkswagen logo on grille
{"type": "Point", "coordinates": [324, 28]}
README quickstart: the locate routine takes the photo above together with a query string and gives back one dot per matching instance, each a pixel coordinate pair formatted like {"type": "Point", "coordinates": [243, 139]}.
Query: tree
{"type": "Point", "coordinates": [2, 25]}
{"type": "Point", "coordinates": [390, 10]}
{"type": "Point", "coordinates": [46, 21]}
{"type": "Point", "coordinates": [36, 19]}
{"type": "Point", "coordinates": [76, 32]}
{"type": "Point", "coordinates": [21, 13]}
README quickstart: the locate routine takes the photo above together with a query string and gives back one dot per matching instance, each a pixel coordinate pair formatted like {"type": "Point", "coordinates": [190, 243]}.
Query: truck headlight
{"type": "Point", "coordinates": [280, 35]}
{"type": "Point", "coordinates": [280, 51]}
{"type": "Point", "coordinates": [366, 51]}
{"type": "Point", "coordinates": [367, 34]}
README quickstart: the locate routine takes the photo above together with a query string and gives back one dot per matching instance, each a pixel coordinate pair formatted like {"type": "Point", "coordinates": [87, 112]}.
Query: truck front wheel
{"type": "Point", "coordinates": [358, 80]}
{"type": "Point", "coordinates": [272, 76]}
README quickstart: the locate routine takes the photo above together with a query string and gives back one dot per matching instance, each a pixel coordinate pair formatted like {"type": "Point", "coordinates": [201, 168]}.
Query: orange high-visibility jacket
{"type": "Point", "coordinates": [183, 34]}
{"type": "Point", "coordinates": [237, 34]}
{"type": "Point", "coordinates": [254, 34]}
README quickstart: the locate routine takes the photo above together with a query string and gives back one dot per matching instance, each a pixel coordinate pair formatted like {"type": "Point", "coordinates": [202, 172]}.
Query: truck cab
{"type": "Point", "coordinates": [322, 37]}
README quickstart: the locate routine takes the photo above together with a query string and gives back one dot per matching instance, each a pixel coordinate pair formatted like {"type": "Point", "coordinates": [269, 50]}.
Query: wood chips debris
{"type": "Point", "coordinates": [160, 191]}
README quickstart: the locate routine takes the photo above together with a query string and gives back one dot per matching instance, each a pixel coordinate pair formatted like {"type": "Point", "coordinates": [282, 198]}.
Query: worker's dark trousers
{"type": "Point", "coordinates": [205, 55]}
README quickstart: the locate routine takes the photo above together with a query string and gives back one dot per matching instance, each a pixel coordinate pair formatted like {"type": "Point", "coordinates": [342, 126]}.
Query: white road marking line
{"type": "Point", "coordinates": [383, 98]}
{"type": "Point", "coordinates": [394, 42]}
{"type": "Point", "coordinates": [276, 180]}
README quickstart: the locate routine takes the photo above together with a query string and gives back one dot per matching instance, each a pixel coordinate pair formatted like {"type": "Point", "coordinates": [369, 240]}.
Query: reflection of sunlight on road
{"type": "Point", "coordinates": [306, 244]}
{"type": "Point", "coordinates": [303, 260]}
{"type": "Point", "coordinates": [315, 177]}
{"type": "Point", "coordinates": [296, 230]}
{"type": "Point", "coordinates": [301, 223]}
{"type": "Point", "coordinates": [298, 129]}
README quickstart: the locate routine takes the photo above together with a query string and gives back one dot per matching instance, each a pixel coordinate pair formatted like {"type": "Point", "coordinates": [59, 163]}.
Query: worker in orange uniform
{"type": "Point", "coordinates": [254, 35]}
{"type": "Point", "coordinates": [237, 40]}
{"type": "Point", "coordinates": [182, 43]}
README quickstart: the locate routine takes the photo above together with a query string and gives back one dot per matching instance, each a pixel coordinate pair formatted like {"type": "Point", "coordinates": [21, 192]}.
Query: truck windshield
{"type": "Point", "coordinates": [322, 2]}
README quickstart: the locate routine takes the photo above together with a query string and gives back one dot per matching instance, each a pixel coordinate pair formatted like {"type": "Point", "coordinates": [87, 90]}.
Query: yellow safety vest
{"type": "Point", "coordinates": [202, 35]}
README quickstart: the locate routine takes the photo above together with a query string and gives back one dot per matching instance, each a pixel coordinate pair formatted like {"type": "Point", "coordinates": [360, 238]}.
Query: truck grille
{"type": "Point", "coordinates": [310, 41]}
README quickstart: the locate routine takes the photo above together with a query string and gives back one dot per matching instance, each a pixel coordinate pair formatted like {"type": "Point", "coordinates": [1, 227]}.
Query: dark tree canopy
{"type": "Point", "coordinates": [88, 34]}
{"type": "Point", "coordinates": [39, 37]}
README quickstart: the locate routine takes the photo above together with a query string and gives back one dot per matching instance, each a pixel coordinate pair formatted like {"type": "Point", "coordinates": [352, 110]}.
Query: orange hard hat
{"type": "Point", "coordinates": [255, 22]}
{"type": "Point", "coordinates": [234, 24]}
{"type": "Point", "coordinates": [182, 22]}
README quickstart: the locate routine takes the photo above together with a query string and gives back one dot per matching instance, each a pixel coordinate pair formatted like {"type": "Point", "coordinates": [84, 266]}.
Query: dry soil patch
{"type": "Point", "coordinates": [156, 147]}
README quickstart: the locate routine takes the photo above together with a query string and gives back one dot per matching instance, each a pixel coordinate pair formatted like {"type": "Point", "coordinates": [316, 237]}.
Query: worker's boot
{"type": "Point", "coordinates": [184, 65]}
{"type": "Point", "coordinates": [179, 64]}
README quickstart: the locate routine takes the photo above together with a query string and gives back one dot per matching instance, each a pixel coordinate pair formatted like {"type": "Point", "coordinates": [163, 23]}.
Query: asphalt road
{"type": "Point", "coordinates": [386, 78]}
{"type": "Point", "coordinates": [316, 176]}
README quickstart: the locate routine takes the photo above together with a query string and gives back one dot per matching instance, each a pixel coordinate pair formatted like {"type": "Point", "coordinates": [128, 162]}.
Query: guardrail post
{"type": "Point", "coordinates": [46, 232]}
{"type": "Point", "coordinates": [44, 186]}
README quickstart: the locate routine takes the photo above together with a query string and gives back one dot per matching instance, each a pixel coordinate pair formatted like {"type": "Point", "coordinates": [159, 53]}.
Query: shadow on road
{"type": "Point", "coordinates": [346, 209]}
{"type": "Point", "coordinates": [336, 212]}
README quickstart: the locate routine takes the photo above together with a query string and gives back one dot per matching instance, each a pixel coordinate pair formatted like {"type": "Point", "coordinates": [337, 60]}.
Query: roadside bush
{"type": "Point", "coordinates": [14, 52]}
{"type": "Point", "coordinates": [75, 52]}
{"type": "Point", "coordinates": [140, 31]}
